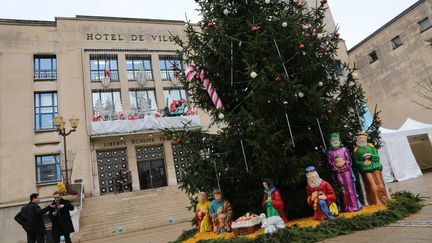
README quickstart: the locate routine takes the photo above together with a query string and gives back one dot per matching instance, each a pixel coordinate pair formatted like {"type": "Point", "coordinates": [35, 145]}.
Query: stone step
{"type": "Point", "coordinates": [132, 225]}
{"type": "Point", "coordinates": [135, 193]}
{"type": "Point", "coordinates": [149, 198]}
{"type": "Point", "coordinates": [139, 210]}
{"type": "Point", "coordinates": [164, 233]}
{"type": "Point", "coordinates": [138, 218]}
{"type": "Point", "coordinates": [133, 208]}
{"type": "Point", "coordinates": [137, 200]}
{"type": "Point", "coordinates": [103, 230]}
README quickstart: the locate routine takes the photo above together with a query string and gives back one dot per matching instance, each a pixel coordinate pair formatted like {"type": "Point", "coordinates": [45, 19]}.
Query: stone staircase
{"type": "Point", "coordinates": [133, 211]}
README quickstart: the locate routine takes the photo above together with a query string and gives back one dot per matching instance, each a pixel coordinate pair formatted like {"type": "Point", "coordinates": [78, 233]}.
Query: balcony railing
{"type": "Point", "coordinates": [133, 75]}
{"type": "Point", "coordinates": [45, 74]}
{"type": "Point", "coordinates": [166, 75]}
{"type": "Point", "coordinates": [112, 115]}
{"type": "Point", "coordinates": [96, 76]}
{"type": "Point", "coordinates": [133, 122]}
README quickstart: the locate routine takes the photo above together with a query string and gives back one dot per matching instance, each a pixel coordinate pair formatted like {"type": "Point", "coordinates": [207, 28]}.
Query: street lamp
{"type": "Point", "coordinates": [60, 125]}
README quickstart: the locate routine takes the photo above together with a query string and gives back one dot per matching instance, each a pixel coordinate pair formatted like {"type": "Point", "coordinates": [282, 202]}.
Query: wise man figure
{"type": "Point", "coordinates": [368, 163]}
{"type": "Point", "coordinates": [321, 195]}
{"type": "Point", "coordinates": [221, 213]}
{"type": "Point", "coordinates": [339, 161]}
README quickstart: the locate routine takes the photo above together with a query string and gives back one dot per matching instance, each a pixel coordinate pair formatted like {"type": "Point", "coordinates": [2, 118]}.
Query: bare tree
{"type": "Point", "coordinates": [425, 94]}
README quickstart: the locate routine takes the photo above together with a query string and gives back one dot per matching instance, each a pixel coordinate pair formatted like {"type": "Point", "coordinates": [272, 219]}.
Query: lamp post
{"type": "Point", "coordinates": [60, 125]}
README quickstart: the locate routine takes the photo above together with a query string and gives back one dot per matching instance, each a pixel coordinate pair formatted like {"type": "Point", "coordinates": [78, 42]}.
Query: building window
{"type": "Point", "coordinates": [396, 42]}
{"type": "Point", "coordinates": [48, 168]}
{"type": "Point", "coordinates": [103, 66]}
{"type": "Point", "coordinates": [424, 24]}
{"type": "Point", "coordinates": [45, 67]}
{"type": "Point", "coordinates": [174, 94]}
{"type": "Point", "coordinates": [142, 100]}
{"type": "Point", "coordinates": [135, 64]}
{"type": "Point", "coordinates": [107, 104]}
{"type": "Point", "coordinates": [45, 109]}
{"type": "Point", "coordinates": [373, 57]}
{"type": "Point", "coordinates": [169, 65]}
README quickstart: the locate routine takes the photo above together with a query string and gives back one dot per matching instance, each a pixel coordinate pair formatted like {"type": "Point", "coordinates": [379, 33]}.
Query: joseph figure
{"type": "Point", "coordinates": [221, 213]}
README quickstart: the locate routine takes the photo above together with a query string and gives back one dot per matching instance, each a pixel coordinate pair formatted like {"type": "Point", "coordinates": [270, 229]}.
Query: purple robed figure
{"type": "Point", "coordinates": [339, 160]}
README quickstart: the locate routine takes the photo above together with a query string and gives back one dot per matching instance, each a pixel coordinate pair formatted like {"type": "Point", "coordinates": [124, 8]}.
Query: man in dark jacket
{"type": "Point", "coordinates": [33, 213]}
{"type": "Point", "coordinates": [60, 218]}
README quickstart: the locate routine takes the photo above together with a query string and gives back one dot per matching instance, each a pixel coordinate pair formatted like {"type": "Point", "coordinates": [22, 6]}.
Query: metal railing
{"type": "Point", "coordinates": [45, 74]}
{"type": "Point", "coordinates": [96, 76]}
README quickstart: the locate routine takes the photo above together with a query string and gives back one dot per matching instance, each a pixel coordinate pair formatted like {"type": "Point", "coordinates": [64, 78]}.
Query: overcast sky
{"type": "Point", "coordinates": [357, 19]}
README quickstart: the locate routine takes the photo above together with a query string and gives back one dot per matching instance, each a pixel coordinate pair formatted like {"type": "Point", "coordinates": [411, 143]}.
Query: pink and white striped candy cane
{"type": "Point", "coordinates": [191, 71]}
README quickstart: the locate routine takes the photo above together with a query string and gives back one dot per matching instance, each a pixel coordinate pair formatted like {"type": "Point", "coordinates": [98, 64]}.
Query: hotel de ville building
{"type": "Point", "coordinates": [118, 77]}
{"type": "Point", "coordinates": [114, 75]}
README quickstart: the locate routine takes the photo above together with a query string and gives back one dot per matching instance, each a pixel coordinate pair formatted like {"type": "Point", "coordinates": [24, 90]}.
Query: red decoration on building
{"type": "Point", "coordinates": [378, 121]}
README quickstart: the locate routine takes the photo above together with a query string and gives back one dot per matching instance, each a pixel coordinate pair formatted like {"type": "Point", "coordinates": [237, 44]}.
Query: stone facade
{"type": "Point", "coordinates": [391, 80]}
{"type": "Point", "coordinates": [75, 43]}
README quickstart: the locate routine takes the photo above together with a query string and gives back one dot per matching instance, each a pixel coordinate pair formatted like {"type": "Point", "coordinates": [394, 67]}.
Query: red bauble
{"type": "Point", "coordinates": [378, 121]}
{"type": "Point", "coordinates": [301, 46]}
{"type": "Point", "coordinates": [254, 28]}
{"type": "Point", "coordinates": [178, 141]}
{"type": "Point", "coordinates": [210, 25]}
{"type": "Point", "coordinates": [334, 78]}
{"type": "Point", "coordinates": [337, 34]}
{"type": "Point", "coordinates": [329, 112]}
{"type": "Point", "coordinates": [278, 79]}
{"type": "Point", "coordinates": [299, 5]}
{"type": "Point", "coordinates": [323, 1]}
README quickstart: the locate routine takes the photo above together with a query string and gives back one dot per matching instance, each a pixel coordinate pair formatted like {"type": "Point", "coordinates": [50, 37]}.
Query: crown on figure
{"type": "Point", "coordinates": [362, 133]}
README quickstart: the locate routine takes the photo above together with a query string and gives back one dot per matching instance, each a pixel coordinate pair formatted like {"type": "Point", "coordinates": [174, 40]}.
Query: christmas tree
{"type": "Point", "coordinates": [274, 68]}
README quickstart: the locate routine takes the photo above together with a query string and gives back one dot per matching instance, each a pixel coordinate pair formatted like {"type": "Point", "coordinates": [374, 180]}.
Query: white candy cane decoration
{"type": "Point", "coordinates": [191, 72]}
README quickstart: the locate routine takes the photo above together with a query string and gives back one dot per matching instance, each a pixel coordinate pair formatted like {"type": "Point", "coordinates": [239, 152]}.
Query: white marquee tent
{"type": "Point", "coordinates": [396, 154]}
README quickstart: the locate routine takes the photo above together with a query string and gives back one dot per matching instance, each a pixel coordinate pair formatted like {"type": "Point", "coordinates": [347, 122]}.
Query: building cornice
{"type": "Point", "coordinates": [28, 22]}
{"type": "Point", "coordinates": [25, 22]}
{"type": "Point", "coordinates": [121, 19]}
{"type": "Point", "coordinates": [405, 12]}
{"type": "Point", "coordinates": [127, 50]}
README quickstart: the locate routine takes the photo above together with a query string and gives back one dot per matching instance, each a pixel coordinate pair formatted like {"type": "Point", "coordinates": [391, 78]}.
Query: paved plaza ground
{"type": "Point", "coordinates": [416, 228]}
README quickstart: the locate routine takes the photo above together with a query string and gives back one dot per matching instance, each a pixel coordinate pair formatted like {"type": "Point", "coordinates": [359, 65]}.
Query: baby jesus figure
{"type": "Point", "coordinates": [246, 217]}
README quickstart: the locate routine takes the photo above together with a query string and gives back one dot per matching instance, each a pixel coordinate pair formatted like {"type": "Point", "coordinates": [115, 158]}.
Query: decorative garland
{"type": "Point", "coordinates": [402, 205]}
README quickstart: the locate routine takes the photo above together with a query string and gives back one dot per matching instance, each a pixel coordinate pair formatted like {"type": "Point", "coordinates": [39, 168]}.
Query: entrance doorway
{"type": "Point", "coordinates": [151, 167]}
{"type": "Point", "coordinates": [151, 174]}
{"type": "Point", "coordinates": [422, 150]}
{"type": "Point", "coordinates": [111, 163]}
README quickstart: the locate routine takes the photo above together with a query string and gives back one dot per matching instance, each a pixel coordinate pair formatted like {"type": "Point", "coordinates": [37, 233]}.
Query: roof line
{"type": "Point", "coordinates": [84, 17]}
{"type": "Point", "coordinates": [409, 9]}
{"type": "Point", "coordinates": [28, 22]}
{"type": "Point", "coordinates": [105, 18]}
